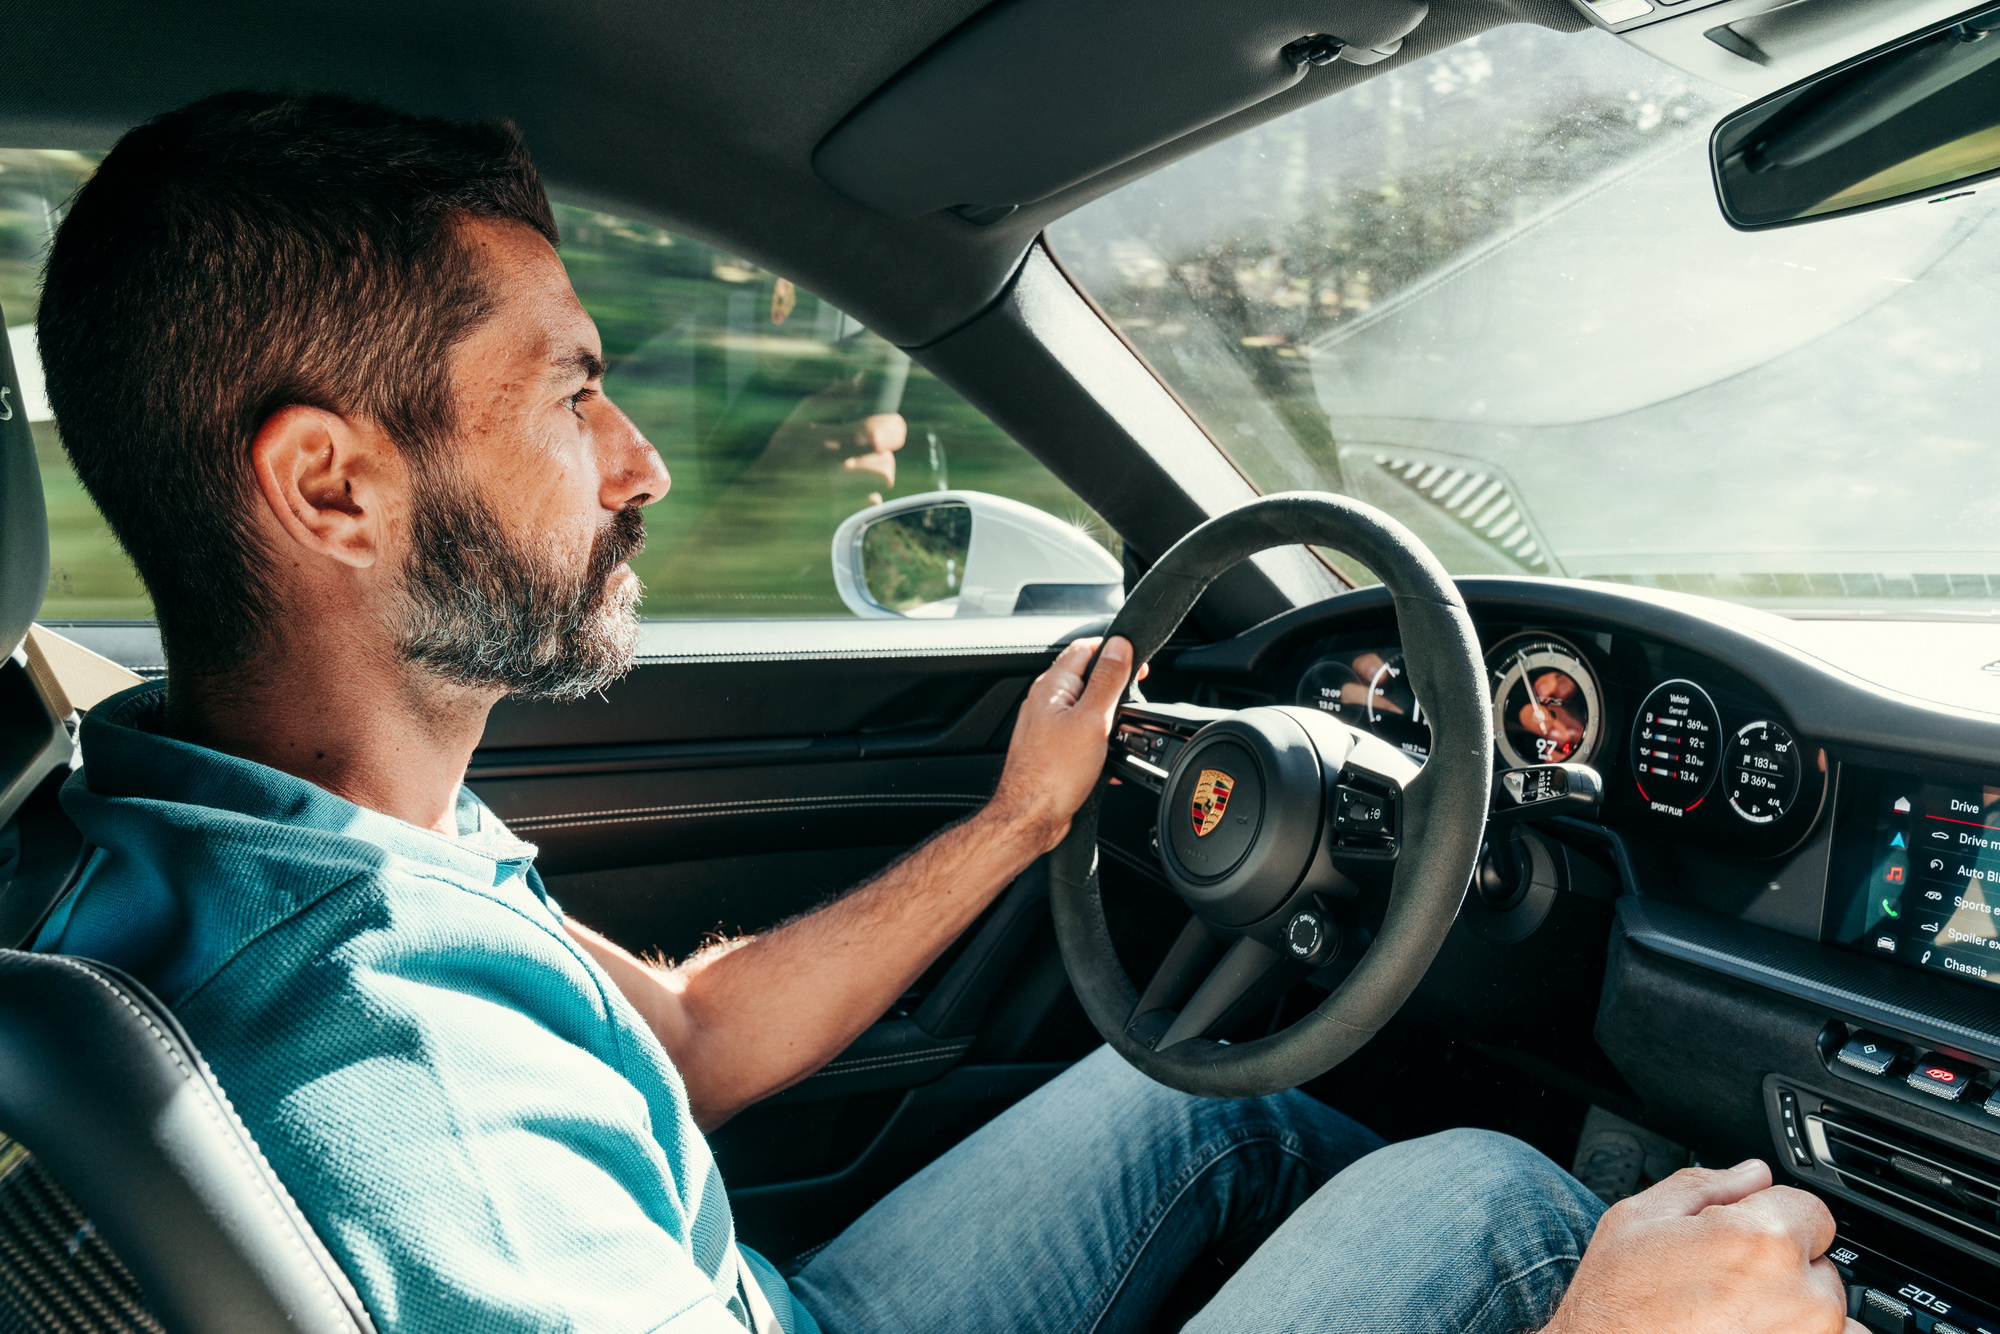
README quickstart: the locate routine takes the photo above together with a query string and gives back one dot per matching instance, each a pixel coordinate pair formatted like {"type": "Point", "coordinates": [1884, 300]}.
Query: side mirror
{"type": "Point", "coordinates": [966, 553]}
{"type": "Point", "coordinates": [1911, 120]}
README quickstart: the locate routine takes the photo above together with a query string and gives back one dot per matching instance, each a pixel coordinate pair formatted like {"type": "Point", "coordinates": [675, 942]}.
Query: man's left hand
{"type": "Point", "coordinates": [1059, 739]}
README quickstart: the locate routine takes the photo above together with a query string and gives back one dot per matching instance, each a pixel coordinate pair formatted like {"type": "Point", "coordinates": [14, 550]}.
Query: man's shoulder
{"type": "Point", "coordinates": [178, 895]}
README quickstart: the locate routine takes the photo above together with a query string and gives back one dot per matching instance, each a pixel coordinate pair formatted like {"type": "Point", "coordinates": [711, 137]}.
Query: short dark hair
{"type": "Point", "coordinates": [243, 254]}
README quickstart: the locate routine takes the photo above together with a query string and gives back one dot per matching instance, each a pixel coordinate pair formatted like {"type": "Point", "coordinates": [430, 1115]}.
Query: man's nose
{"type": "Point", "coordinates": [635, 474]}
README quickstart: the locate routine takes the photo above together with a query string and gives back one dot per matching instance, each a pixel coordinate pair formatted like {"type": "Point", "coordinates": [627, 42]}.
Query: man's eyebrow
{"type": "Point", "coordinates": [581, 361]}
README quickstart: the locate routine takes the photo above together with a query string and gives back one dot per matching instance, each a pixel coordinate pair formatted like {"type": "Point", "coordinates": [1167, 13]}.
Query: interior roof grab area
{"type": "Point", "coordinates": [1033, 96]}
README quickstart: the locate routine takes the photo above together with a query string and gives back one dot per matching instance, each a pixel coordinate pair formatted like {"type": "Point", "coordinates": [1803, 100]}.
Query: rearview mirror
{"type": "Point", "coordinates": [1917, 118]}
{"type": "Point", "coordinates": [966, 553]}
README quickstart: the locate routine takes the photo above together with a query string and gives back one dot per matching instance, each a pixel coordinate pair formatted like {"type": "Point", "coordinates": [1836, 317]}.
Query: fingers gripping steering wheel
{"type": "Point", "coordinates": [1285, 830]}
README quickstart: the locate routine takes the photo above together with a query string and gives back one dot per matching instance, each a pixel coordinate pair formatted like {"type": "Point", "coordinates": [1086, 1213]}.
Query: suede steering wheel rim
{"type": "Point", "coordinates": [1439, 816]}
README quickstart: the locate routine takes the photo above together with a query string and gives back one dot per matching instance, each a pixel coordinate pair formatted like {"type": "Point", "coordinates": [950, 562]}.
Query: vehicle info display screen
{"type": "Point", "coordinates": [1920, 862]}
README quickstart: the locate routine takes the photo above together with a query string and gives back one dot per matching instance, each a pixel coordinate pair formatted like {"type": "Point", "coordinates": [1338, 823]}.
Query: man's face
{"type": "Point", "coordinates": [520, 527]}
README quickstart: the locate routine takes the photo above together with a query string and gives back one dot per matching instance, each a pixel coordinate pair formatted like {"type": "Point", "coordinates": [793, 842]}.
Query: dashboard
{"type": "Point", "coordinates": [1780, 934]}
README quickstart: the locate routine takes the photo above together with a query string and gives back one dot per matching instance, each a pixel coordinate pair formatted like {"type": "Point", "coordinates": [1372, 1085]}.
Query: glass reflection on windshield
{"type": "Point", "coordinates": [1492, 292]}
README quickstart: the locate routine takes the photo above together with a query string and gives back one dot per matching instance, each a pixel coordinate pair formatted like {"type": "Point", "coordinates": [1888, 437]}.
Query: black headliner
{"type": "Point", "coordinates": [702, 117]}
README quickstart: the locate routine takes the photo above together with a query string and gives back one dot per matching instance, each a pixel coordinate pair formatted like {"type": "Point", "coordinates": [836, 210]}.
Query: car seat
{"type": "Point", "coordinates": [131, 1196]}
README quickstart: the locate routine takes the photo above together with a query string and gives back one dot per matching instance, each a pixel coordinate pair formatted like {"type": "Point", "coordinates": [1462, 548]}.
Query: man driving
{"type": "Point", "coordinates": [320, 366]}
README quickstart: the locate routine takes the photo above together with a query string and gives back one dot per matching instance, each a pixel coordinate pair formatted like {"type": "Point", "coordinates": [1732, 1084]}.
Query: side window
{"type": "Point", "coordinates": [778, 416]}
{"type": "Point", "coordinates": [89, 576]}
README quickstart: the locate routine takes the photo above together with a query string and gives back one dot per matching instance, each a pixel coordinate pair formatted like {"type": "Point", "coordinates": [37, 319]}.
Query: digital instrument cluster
{"type": "Point", "coordinates": [1682, 757]}
{"type": "Point", "coordinates": [1732, 765]}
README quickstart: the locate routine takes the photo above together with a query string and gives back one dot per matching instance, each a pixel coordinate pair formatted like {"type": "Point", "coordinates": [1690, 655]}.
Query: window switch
{"type": "Point", "coordinates": [1939, 1078]}
{"type": "Point", "coordinates": [1869, 1054]}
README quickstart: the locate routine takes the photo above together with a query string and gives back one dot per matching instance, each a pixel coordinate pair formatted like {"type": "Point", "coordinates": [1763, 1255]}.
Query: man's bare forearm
{"type": "Point", "coordinates": [749, 1017]}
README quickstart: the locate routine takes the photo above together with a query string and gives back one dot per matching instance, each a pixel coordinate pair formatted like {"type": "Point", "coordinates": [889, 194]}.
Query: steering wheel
{"type": "Point", "coordinates": [1298, 841]}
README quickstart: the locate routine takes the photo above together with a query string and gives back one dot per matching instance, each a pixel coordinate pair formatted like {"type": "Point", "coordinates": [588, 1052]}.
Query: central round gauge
{"type": "Point", "coordinates": [1547, 708]}
{"type": "Point", "coordinates": [1675, 743]}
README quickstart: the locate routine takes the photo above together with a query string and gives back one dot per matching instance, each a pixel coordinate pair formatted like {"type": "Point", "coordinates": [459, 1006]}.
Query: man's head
{"type": "Point", "coordinates": [317, 360]}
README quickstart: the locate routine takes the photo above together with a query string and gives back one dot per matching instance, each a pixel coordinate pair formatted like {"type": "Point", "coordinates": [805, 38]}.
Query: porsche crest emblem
{"type": "Point", "coordinates": [1211, 799]}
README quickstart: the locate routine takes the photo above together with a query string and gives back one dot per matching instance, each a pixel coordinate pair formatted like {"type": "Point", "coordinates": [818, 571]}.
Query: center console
{"type": "Point", "coordinates": [1904, 1117]}
{"type": "Point", "coordinates": [1890, 1296]}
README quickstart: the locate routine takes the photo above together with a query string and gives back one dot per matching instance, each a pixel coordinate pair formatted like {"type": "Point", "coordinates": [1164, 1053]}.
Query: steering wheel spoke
{"type": "Point", "coordinates": [1205, 980]}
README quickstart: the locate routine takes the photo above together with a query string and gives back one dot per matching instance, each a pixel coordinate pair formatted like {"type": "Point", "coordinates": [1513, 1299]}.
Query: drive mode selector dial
{"type": "Point", "coordinates": [1676, 747]}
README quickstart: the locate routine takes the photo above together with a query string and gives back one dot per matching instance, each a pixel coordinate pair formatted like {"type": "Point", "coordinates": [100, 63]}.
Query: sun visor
{"type": "Point", "coordinates": [1032, 96]}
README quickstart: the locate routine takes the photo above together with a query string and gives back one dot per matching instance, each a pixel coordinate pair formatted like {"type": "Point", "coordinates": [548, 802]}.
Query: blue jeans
{"type": "Point", "coordinates": [1079, 1209]}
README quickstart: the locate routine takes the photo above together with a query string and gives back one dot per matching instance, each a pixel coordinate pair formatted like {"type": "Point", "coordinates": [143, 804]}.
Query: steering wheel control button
{"type": "Point", "coordinates": [1939, 1077]}
{"type": "Point", "coordinates": [1217, 807]}
{"type": "Point", "coordinates": [1364, 813]}
{"type": "Point", "coordinates": [1885, 1314]}
{"type": "Point", "coordinates": [1869, 1054]}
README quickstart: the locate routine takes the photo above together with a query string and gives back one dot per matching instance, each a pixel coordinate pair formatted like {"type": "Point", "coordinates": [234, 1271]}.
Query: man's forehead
{"type": "Point", "coordinates": [536, 309]}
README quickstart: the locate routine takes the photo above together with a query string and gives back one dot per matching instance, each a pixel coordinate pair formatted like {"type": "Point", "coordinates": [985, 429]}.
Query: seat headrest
{"type": "Point", "coordinates": [24, 524]}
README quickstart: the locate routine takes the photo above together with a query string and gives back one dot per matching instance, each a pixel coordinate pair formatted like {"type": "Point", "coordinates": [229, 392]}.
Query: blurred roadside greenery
{"type": "Point", "coordinates": [766, 404]}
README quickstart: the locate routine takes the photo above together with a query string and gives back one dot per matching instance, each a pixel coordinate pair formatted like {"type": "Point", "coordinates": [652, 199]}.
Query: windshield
{"type": "Point", "coordinates": [1491, 292]}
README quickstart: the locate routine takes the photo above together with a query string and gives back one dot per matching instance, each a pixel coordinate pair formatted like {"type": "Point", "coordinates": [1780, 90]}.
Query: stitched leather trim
{"type": "Point", "coordinates": [864, 1064]}
{"type": "Point", "coordinates": [748, 806]}
{"type": "Point", "coordinates": [270, 1190]}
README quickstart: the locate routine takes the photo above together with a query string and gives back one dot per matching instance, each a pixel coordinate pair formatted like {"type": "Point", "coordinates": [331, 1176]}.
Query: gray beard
{"type": "Point", "coordinates": [485, 611]}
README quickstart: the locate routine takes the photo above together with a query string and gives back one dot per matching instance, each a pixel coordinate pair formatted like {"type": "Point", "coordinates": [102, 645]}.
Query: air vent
{"type": "Point", "coordinates": [1918, 1174]}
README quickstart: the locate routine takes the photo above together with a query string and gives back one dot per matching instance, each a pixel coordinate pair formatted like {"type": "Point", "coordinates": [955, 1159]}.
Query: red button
{"type": "Point", "coordinates": [1939, 1078]}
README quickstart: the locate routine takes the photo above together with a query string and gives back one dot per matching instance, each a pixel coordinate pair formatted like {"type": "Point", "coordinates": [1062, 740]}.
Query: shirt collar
{"type": "Point", "coordinates": [127, 755]}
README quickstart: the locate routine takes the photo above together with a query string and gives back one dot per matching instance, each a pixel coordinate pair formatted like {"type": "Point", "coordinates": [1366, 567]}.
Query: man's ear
{"type": "Point", "coordinates": [322, 479]}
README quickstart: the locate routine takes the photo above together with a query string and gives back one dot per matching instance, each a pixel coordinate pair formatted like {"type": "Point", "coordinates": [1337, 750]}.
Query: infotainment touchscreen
{"type": "Point", "coordinates": [1917, 873]}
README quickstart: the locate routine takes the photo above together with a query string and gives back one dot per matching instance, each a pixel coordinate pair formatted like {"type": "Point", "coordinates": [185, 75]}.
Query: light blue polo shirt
{"type": "Point", "coordinates": [480, 1127]}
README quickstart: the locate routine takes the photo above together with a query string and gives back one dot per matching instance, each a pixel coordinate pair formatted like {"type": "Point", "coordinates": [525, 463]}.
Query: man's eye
{"type": "Point", "coordinates": [578, 399]}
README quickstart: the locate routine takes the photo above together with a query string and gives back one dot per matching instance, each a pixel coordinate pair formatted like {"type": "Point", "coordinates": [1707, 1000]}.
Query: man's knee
{"type": "Point", "coordinates": [1480, 1182]}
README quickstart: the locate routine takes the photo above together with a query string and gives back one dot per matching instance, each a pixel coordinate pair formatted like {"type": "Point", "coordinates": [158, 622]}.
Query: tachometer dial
{"type": "Point", "coordinates": [1675, 740]}
{"type": "Point", "coordinates": [1762, 770]}
{"type": "Point", "coordinates": [1547, 708]}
